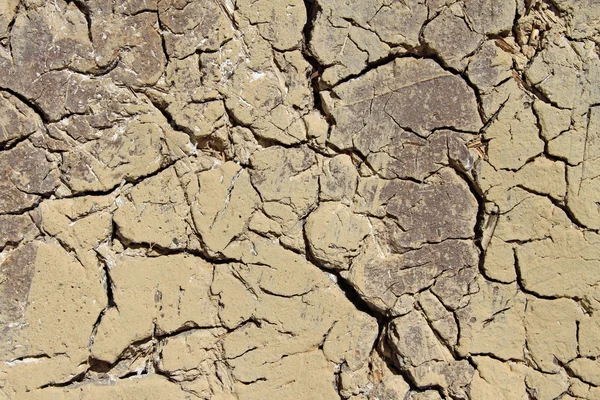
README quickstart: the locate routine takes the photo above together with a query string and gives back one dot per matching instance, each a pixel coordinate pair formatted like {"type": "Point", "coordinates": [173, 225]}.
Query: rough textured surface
{"type": "Point", "coordinates": [286, 199]}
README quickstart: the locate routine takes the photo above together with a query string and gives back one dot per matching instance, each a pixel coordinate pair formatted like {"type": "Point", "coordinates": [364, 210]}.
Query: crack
{"type": "Point", "coordinates": [29, 103]}
{"type": "Point", "coordinates": [161, 33]}
{"type": "Point", "coordinates": [385, 352]}
{"type": "Point", "coordinates": [247, 383]}
{"type": "Point", "coordinates": [133, 374]}
{"type": "Point", "coordinates": [563, 207]}
{"type": "Point", "coordinates": [491, 319]}
{"type": "Point", "coordinates": [285, 296]}
{"type": "Point", "coordinates": [312, 10]}
{"type": "Point", "coordinates": [585, 147]}
{"type": "Point", "coordinates": [26, 210]}
{"type": "Point", "coordinates": [108, 286]}
{"type": "Point", "coordinates": [126, 180]}
{"type": "Point", "coordinates": [132, 352]}
{"type": "Point", "coordinates": [522, 287]}
{"type": "Point", "coordinates": [11, 144]}
{"type": "Point", "coordinates": [145, 347]}
{"type": "Point", "coordinates": [572, 373]}
{"type": "Point", "coordinates": [162, 108]}
{"type": "Point", "coordinates": [28, 358]}
{"type": "Point", "coordinates": [490, 120]}
{"type": "Point", "coordinates": [577, 334]}
{"type": "Point", "coordinates": [372, 66]}
{"type": "Point", "coordinates": [227, 197]}
{"type": "Point", "coordinates": [485, 223]}
{"type": "Point", "coordinates": [451, 349]}
{"type": "Point", "coordinates": [107, 280]}
{"type": "Point", "coordinates": [228, 13]}
{"type": "Point", "coordinates": [85, 10]}
{"type": "Point", "coordinates": [74, 380]}
{"type": "Point", "coordinates": [347, 288]}
{"type": "Point", "coordinates": [156, 250]}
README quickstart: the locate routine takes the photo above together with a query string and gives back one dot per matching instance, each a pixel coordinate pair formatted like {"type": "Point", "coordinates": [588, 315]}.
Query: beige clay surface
{"type": "Point", "coordinates": [287, 199]}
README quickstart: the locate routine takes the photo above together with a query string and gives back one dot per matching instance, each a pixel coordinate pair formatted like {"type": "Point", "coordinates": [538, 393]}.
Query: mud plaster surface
{"type": "Point", "coordinates": [278, 199]}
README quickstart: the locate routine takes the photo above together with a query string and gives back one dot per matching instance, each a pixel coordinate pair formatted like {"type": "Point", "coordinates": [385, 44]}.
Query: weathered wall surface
{"type": "Point", "coordinates": [278, 199]}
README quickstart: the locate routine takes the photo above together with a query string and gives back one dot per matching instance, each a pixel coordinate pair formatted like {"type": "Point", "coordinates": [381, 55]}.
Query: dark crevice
{"type": "Point", "coordinates": [10, 245]}
{"type": "Point", "coordinates": [491, 318]}
{"type": "Point", "coordinates": [25, 210]}
{"type": "Point", "coordinates": [229, 15]}
{"type": "Point", "coordinates": [289, 296]}
{"type": "Point", "coordinates": [103, 70]}
{"type": "Point", "coordinates": [163, 42]}
{"type": "Point", "coordinates": [129, 180]}
{"type": "Point", "coordinates": [12, 143]}
{"type": "Point", "coordinates": [233, 120]}
{"type": "Point", "coordinates": [572, 373]}
{"type": "Point", "coordinates": [488, 121]}
{"type": "Point", "coordinates": [347, 288]}
{"type": "Point", "coordinates": [355, 298]}
{"type": "Point", "coordinates": [559, 204]}
{"type": "Point", "coordinates": [421, 53]}
{"type": "Point", "coordinates": [134, 374]}
{"type": "Point", "coordinates": [159, 251]}
{"type": "Point", "coordinates": [482, 223]}
{"type": "Point", "coordinates": [522, 286]}
{"type": "Point", "coordinates": [522, 242]}
{"type": "Point", "coordinates": [95, 328]}
{"type": "Point", "coordinates": [77, 378]}
{"type": "Point", "coordinates": [143, 11]}
{"type": "Point", "coordinates": [359, 158]}
{"type": "Point", "coordinates": [95, 72]}
{"type": "Point", "coordinates": [350, 292]}
{"type": "Point", "coordinates": [151, 249]}
{"type": "Point", "coordinates": [29, 103]}
{"type": "Point", "coordinates": [85, 10]}
{"type": "Point", "coordinates": [109, 284]}
{"type": "Point", "coordinates": [101, 366]}
{"type": "Point", "coordinates": [162, 108]}
{"type": "Point", "coordinates": [248, 383]}
{"type": "Point", "coordinates": [393, 364]}
{"type": "Point", "coordinates": [535, 92]}
{"type": "Point", "coordinates": [94, 193]}
{"type": "Point", "coordinates": [132, 351]}
{"type": "Point", "coordinates": [188, 326]}
{"type": "Point", "coordinates": [451, 349]}
{"type": "Point", "coordinates": [30, 357]}
{"type": "Point", "coordinates": [312, 9]}
{"type": "Point", "coordinates": [108, 287]}
{"type": "Point", "coordinates": [384, 351]}
{"type": "Point", "coordinates": [577, 332]}
{"type": "Point", "coordinates": [65, 246]}
{"type": "Point", "coordinates": [372, 66]}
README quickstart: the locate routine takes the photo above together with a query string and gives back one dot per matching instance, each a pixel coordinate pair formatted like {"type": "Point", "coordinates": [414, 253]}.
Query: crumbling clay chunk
{"type": "Point", "coordinates": [334, 234]}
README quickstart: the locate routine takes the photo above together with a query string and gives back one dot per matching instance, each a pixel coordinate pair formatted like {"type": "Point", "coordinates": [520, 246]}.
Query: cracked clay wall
{"type": "Point", "coordinates": [287, 199]}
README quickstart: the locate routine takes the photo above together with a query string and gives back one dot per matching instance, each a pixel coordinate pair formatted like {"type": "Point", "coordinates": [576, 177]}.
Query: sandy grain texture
{"type": "Point", "coordinates": [287, 199]}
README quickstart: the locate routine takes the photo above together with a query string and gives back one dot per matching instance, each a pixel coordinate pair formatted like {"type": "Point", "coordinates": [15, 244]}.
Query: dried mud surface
{"type": "Point", "coordinates": [287, 199]}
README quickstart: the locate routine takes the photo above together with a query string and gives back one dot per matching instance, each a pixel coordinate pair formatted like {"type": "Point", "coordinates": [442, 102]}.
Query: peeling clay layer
{"type": "Point", "coordinates": [278, 199]}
